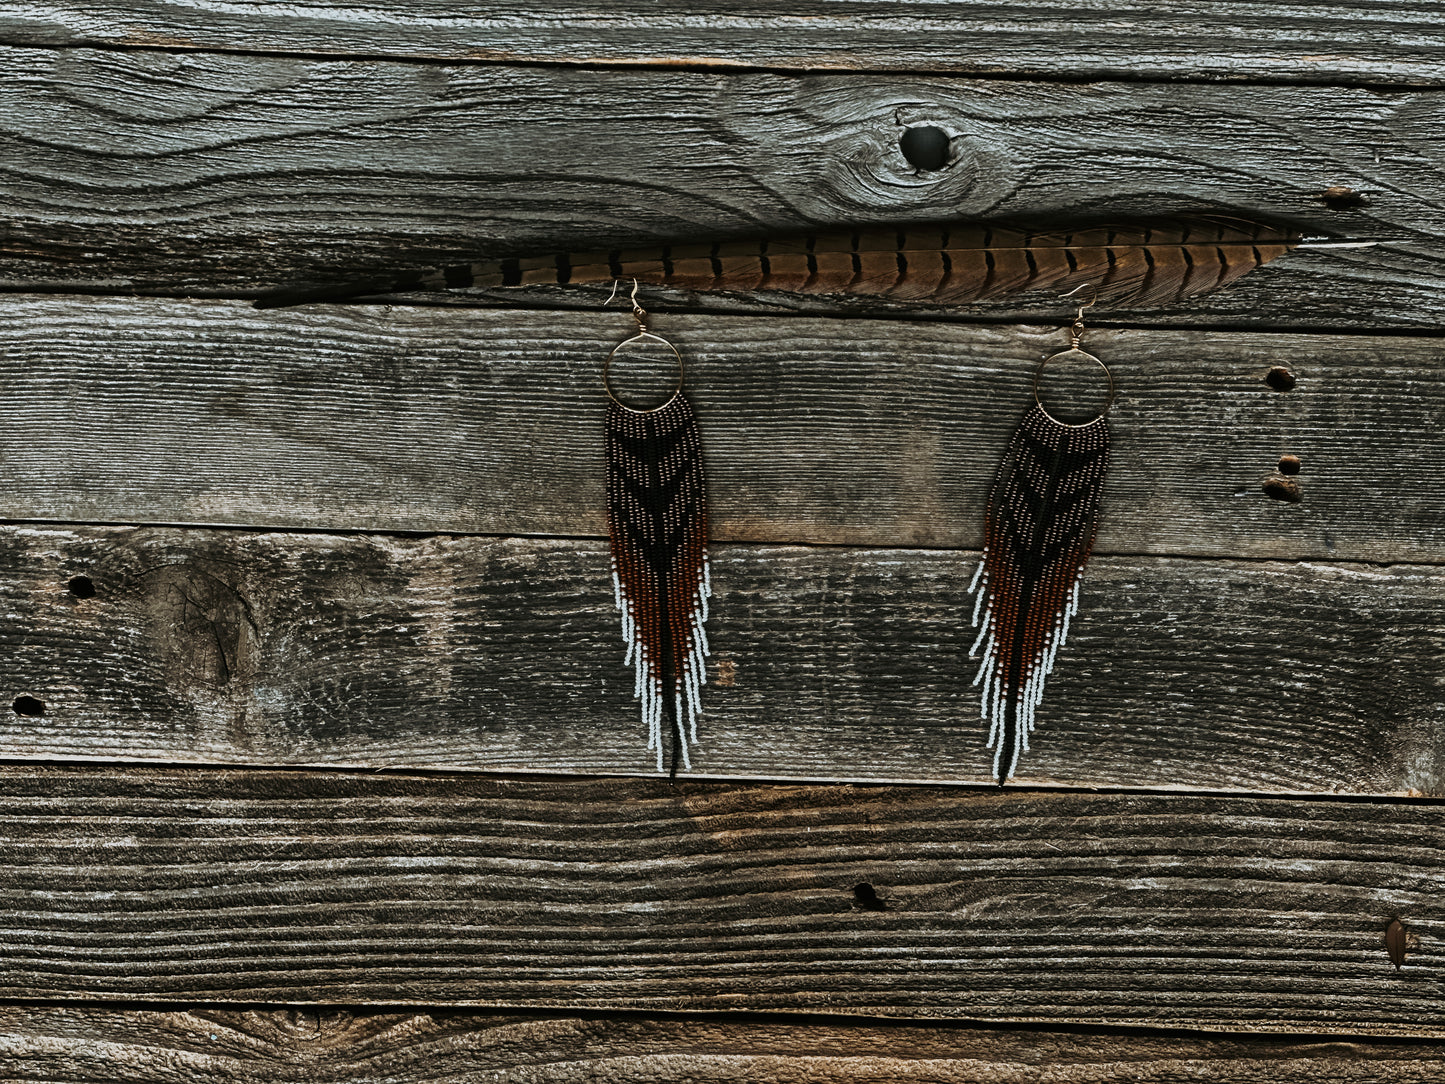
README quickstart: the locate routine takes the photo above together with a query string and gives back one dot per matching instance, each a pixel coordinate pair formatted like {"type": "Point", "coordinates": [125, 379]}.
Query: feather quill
{"type": "Point", "coordinates": [1144, 263]}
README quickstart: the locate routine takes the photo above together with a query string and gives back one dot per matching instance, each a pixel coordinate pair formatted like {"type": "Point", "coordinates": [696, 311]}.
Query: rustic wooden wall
{"type": "Point", "coordinates": [314, 769]}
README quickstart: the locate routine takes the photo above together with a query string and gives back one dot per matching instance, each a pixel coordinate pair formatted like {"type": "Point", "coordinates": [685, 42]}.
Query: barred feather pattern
{"type": "Point", "coordinates": [1154, 262]}
{"type": "Point", "coordinates": [657, 518]}
{"type": "Point", "coordinates": [1040, 526]}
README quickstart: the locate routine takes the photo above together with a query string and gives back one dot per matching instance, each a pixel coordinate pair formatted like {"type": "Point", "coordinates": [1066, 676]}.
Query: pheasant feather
{"type": "Point", "coordinates": [657, 518]}
{"type": "Point", "coordinates": [1144, 263]}
{"type": "Point", "coordinates": [1039, 529]}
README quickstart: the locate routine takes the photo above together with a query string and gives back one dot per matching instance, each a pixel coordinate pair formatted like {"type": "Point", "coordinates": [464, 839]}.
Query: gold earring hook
{"type": "Point", "coordinates": [638, 312]}
{"type": "Point", "coordinates": [1076, 330]}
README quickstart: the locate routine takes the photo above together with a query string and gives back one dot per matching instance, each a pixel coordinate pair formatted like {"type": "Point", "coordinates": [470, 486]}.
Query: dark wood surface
{"type": "Point", "coordinates": [383, 581]}
{"type": "Point", "coordinates": [828, 663]}
{"type": "Point", "coordinates": [1337, 41]}
{"type": "Point", "coordinates": [1047, 907]}
{"type": "Point", "coordinates": [75, 1044]}
{"type": "Point", "coordinates": [876, 432]}
{"type": "Point", "coordinates": [275, 170]}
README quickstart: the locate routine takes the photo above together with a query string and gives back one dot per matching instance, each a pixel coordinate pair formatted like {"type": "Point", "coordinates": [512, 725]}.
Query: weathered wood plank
{"type": "Point", "coordinates": [1333, 41]}
{"type": "Point", "coordinates": [74, 1044]}
{"type": "Point", "coordinates": [189, 171]}
{"type": "Point", "coordinates": [856, 432]}
{"type": "Point", "coordinates": [1189, 912]}
{"type": "Point", "coordinates": [225, 647]}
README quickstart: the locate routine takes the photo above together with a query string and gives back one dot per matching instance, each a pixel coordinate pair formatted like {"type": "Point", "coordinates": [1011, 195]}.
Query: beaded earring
{"type": "Point", "coordinates": [1042, 515]}
{"type": "Point", "coordinates": [657, 519]}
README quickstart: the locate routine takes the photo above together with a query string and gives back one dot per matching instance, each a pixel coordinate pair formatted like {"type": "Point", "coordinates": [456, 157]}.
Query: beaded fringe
{"type": "Point", "coordinates": [1042, 517]}
{"type": "Point", "coordinates": [657, 514]}
{"type": "Point", "coordinates": [648, 684]}
{"type": "Point", "coordinates": [993, 701]}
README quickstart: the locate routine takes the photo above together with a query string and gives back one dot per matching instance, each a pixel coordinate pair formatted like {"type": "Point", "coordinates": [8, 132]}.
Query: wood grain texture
{"type": "Point", "coordinates": [1340, 41]}
{"type": "Point", "coordinates": [1239, 914]}
{"type": "Point", "coordinates": [226, 647]}
{"type": "Point", "coordinates": [75, 1044]}
{"type": "Point", "coordinates": [192, 171]}
{"type": "Point", "coordinates": [814, 431]}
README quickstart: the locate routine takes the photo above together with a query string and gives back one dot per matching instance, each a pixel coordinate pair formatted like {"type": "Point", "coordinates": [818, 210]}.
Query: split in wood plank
{"type": "Point", "coordinates": [828, 663]}
{"type": "Point", "coordinates": [193, 171]}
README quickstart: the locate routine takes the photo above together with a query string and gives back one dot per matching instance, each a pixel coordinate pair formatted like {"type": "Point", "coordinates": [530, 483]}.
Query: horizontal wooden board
{"type": "Point", "coordinates": [191, 171]}
{"type": "Point", "coordinates": [1341, 41]}
{"type": "Point", "coordinates": [1256, 915]}
{"type": "Point", "coordinates": [75, 1044]}
{"type": "Point", "coordinates": [816, 431]}
{"type": "Point", "coordinates": [232, 648]}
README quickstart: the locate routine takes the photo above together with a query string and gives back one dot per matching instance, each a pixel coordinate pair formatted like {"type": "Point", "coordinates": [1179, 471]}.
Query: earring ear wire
{"type": "Point", "coordinates": [643, 332]}
{"type": "Point", "coordinates": [1075, 353]}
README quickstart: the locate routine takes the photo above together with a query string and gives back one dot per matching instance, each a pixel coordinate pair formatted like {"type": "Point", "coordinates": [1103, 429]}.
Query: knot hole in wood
{"type": "Point", "coordinates": [926, 147]}
{"type": "Point", "coordinates": [202, 627]}
{"type": "Point", "coordinates": [895, 162]}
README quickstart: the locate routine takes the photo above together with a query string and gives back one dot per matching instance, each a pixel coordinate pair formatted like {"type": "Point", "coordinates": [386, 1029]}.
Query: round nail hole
{"type": "Point", "coordinates": [925, 147]}
{"type": "Point", "coordinates": [1289, 464]}
{"type": "Point", "coordinates": [1280, 379]}
{"type": "Point", "coordinates": [1282, 489]}
{"type": "Point", "coordinates": [865, 897]}
{"type": "Point", "coordinates": [1339, 198]}
{"type": "Point", "coordinates": [82, 587]}
{"type": "Point", "coordinates": [28, 706]}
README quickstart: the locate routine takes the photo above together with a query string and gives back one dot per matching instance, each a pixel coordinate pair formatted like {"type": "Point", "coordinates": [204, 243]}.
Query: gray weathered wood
{"type": "Point", "coordinates": [858, 432]}
{"type": "Point", "coordinates": [1253, 915]}
{"type": "Point", "coordinates": [192, 171]}
{"type": "Point", "coordinates": [828, 663]}
{"type": "Point", "coordinates": [74, 1044]}
{"type": "Point", "coordinates": [1332, 41]}
{"type": "Point", "coordinates": [182, 171]}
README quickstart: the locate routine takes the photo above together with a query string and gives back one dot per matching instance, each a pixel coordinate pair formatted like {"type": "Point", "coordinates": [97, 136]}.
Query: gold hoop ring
{"type": "Point", "coordinates": [607, 365]}
{"type": "Point", "coordinates": [1086, 356]}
